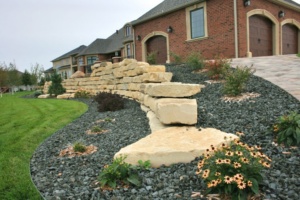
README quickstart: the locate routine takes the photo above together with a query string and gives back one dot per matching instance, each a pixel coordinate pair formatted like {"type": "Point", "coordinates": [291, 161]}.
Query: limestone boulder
{"type": "Point", "coordinates": [176, 111]}
{"type": "Point", "coordinates": [44, 96]}
{"type": "Point", "coordinates": [78, 74]}
{"type": "Point", "coordinates": [157, 77]}
{"type": "Point", "coordinates": [65, 96]}
{"type": "Point", "coordinates": [171, 89]}
{"type": "Point", "coordinates": [174, 145]}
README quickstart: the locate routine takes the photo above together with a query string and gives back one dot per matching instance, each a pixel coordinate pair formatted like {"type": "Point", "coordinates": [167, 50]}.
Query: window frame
{"type": "Point", "coordinates": [189, 11]}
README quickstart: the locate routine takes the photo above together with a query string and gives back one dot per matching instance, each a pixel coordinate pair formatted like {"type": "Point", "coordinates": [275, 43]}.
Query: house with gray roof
{"type": "Point", "coordinates": [237, 28]}
{"type": "Point", "coordinates": [66, 64]}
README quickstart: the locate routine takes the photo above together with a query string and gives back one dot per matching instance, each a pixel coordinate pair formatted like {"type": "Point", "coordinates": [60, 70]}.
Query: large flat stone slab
{"type": "Point", "coordinates": [174, 145]}
{"type": "Point", "coordinates": [171, 89]}
{"type": "Point", "coordinates": [177, 111]}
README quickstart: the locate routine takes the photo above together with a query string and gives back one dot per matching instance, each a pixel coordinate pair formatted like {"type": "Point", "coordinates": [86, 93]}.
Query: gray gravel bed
{"type": "Point", "coordinates": [76, 178]}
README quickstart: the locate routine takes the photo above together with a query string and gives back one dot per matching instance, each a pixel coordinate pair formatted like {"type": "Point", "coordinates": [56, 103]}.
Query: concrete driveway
{"type": "Point", "coordinates": [283, 70]}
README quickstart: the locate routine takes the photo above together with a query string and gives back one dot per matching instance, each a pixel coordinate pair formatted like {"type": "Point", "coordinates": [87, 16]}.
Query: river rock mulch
{"type": "Point", "coordinates": [76, 178]}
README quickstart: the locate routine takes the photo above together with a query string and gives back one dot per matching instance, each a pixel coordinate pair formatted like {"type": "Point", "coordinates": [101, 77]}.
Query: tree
{"type": "Point", "coordinates": [13, 76]}
{"type": "Point", "coordinates": [37, 71]}
{"type": "Point", "coordinates": [56, 87]}
{"type": "Point", "coordinates": [26, 78]}
{"type": "Point", "coordinates": [3, 75]}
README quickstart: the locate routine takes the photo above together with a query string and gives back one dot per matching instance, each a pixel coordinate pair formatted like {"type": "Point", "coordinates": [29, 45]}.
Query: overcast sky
{"type": "Point", "coordinates": [38, 31]}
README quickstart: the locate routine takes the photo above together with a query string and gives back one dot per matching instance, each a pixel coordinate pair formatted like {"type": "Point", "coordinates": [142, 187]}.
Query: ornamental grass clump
{"type": "Point", "coordinates": [233, 171]}
{"type": "Point", "coordinates": [79, 147]}
{"type": "Point", "coordinates": [287, 129]}
{"type": "Point", "coordinates": [195, 61]}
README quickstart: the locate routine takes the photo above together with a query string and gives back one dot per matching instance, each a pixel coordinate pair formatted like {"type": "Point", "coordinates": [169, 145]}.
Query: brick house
{"type": "Point", "coordinates": [117, 46]}
{"type": "Point", "coordinates": [233, 28]}
{"type": "Point", "coordinates": [66, 64]}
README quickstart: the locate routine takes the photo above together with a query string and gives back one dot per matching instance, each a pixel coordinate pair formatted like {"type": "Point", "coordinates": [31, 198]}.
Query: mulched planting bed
{"type": "Point", "coordinates": [76, 178]}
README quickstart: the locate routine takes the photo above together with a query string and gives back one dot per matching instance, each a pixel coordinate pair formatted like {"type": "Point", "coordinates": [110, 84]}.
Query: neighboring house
{"type": "Point", "coordinates": [66, 64]}
{"type": "Point", "coordinates": [233, 28]}
{"type": "Point", "coordinates": [114, 48]}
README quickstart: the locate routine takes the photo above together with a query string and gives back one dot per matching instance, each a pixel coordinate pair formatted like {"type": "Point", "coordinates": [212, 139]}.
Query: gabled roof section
{"type": "Point", "coordinates": [164, 8]}
{"type": "Point", "coordinates": [104, 46]}
{"type": "Point", "coordinates": [293, 2]}
{"type": "Point", "coordinates": [71, 53]}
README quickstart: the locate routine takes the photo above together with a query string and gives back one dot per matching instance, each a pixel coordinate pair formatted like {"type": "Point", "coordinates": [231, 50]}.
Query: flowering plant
{"type": "Point", "coordinates": [233, 170]}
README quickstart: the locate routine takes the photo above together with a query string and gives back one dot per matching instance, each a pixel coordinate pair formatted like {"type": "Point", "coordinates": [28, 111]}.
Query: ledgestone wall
{"type": "Point", "coordinates": [148, 84]}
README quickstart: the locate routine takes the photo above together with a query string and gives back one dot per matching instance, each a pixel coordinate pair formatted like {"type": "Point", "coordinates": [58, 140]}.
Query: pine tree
{"type": "Point", "coordinates": [56, 87]}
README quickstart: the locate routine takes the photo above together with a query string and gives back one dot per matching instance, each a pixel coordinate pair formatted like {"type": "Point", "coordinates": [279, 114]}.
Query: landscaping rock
{"type": "Point", "coordinates": [173, 145]}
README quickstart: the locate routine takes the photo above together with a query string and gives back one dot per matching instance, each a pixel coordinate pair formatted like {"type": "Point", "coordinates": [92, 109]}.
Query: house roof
{"type": "Point", "coordinates": [70, 53]}
{"type": "Point", "coordinates": [104, 46]}
{"type": "Point", "coordinates": [168, 6]}
{"type": "Point", "coordinates": [163, 8]}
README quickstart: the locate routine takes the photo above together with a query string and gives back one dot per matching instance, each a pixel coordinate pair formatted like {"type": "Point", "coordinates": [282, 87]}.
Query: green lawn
{"type": "Point", "coordinates": [24, 125]}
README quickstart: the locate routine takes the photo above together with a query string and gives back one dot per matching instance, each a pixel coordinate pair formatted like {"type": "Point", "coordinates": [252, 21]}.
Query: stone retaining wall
{"type": "Point", "coordinates": [148, 84]}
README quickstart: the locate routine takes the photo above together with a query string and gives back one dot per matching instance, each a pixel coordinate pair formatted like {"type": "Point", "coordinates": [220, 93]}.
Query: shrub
{"type": "Point", "coordinates": [109, 102]}
{"type": "Point", "coordinates": [287, 129]}
{"type": "Point", "coordinates": [96, 129]}
{"type": "Point", "coordinates": [56, 87]}
{"type": "Point", "coordinates": [177, 59]}
{"type": "Point", "coordinates": [79, 147]}
{"type": "Point", "coordinates": [119, 172]}
{"type": "Point", "coordinates": [37, 93]}
{"type": "Point", "coordinates": [233, 170]}
{"type": "Point", "coordinates": [151, 57]}
{"type": "Point", "coordinates": [195, 61]}
{"type": "Point", "coordinates": [216, 68]}
{"type": "Point", "coordinates": [235, 80]}
{"type": "Point", "coordinates": [298, 54]}
{"type": "Point", "coordinates": [81, 93]}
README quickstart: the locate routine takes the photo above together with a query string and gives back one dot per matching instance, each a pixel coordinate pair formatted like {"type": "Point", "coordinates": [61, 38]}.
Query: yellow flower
{"type": "Point", "coordinates": [253, 154]}
{"type": "Point", "coordinates": [229, 153]}
{"type": "Point", "coordinates": [239, 153]}
{"type": "Point", "coordinates": [238, 177]}
{"type": "Point", "coordinates": [244, 160]}
{"type": "Point", "coordinates": [227, 179]}
{"type": "Point", "coordinates": [219, 161]}
{"type": "Point", "coordinates": [240, 134]}
{"type": "Point", "coordinates": [217, 174]}
{"type": "Point", "coordinates": [198, 171]}
{"type": "Point", "coordinates": [237, 165]}
{"type": "Point", "coordinates": [265, 164]}
{"type": "Point", "coordinates": [227, 161]}
{"type": "Point", "coordinates": [214, 183]}
{"type": "Point", "coordinates": [241, 185]}
{"type": "Point", "coordinates": [249, 183]}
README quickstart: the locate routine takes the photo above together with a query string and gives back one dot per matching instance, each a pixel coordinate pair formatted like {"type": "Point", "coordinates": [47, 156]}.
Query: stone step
{"type": "Point", "coordinates": [174, 145]}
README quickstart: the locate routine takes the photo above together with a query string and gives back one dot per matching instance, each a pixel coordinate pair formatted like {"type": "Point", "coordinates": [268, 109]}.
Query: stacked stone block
{"type": "Point", "coordinates": [148, 84]}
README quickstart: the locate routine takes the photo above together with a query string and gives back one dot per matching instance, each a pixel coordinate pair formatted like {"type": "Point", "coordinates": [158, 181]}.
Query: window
{"type": "Point", "coordinates": [128, 50]}
{"type": "Point", "coordinates": [197, 23]}
{"type": "Point", "coordinates": [91, 59]}
{"type": "Point", "coordinates": [128, 31]}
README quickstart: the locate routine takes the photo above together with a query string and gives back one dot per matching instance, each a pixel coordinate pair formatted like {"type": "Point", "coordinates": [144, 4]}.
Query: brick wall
{"type": "Point", "coordinates": [220, 25]}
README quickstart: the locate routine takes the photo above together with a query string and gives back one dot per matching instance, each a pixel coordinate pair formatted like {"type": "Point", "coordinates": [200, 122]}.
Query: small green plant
{"type": "Point", "coordinates": [177, 59]}
{"type": "Point", "coordinates": [96, 129]}
{"type": "Point", "coordinates": [287, 129]}
{"type": "Point", "coordinates": [236, 79]}
{"type": "Point", "coordinates": [56, 87]}
{"type": "Point", "coordinates": [143, 164]}
{"type": "Point", "coordinates": [216, 68]}
{"type": "Point", "coordinates": [107, 119]}
{"type": "Point", "coordinates": [109, 102]}
{"type": "Point", "coordinates": [119, 172]}
{"type": "Point", "coordinates": [233, 170]}
{"type": "Point", "coordinates": [37, 93]}
{"type": "Point", "coordinates": [298, 54]}
{"type": "Point", "coordinates": [195, 61]}
{"type": "Point", "coordinates": [79, 147]}
{"type": "Point", "coordinates": [81, 93]}
{"type": "Point", "coordinates": [151, 57]}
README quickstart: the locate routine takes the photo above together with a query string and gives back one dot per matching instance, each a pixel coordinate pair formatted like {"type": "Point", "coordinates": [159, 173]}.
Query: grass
{"type": "Point", "coordinates": [24, 125]}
